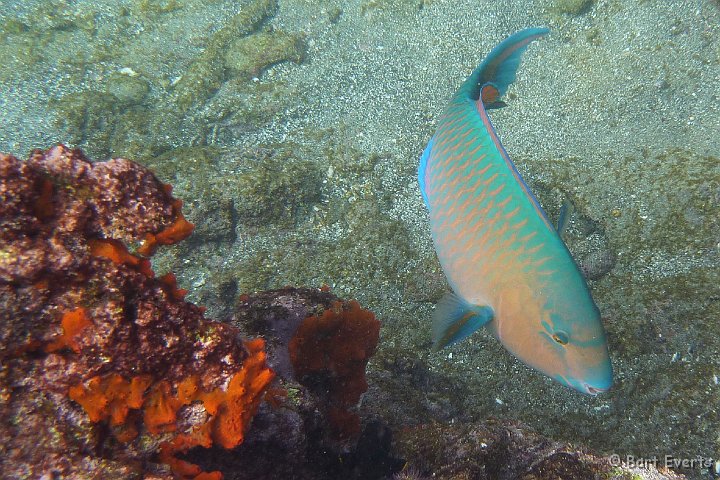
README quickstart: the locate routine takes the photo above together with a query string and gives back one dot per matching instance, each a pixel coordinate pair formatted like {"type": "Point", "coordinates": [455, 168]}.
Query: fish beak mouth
{"type": "Point", "coordinates": [592, 390]}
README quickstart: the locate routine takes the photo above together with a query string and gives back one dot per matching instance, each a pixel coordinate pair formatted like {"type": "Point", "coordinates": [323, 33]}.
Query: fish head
{"type": "Point", "coordinates": [566, 341]}
{"type": "Point", "coordinates": [574, 349]}
{"type": "Point", "coordinates": [583, 367]}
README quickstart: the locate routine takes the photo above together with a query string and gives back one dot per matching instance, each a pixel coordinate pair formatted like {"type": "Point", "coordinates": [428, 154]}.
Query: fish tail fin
{"type": "Point", "coordinates": [454, 319]}
{"type": "Point", "coordinates": [499, 67]}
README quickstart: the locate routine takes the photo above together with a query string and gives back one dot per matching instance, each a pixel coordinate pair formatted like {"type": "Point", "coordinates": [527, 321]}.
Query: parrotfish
{"type": "Point", "coordinates": [505, 262]}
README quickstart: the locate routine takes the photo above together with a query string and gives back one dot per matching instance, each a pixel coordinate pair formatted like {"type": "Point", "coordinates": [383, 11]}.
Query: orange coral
{"type": "Point", "coordinates": [73, 323]}
{"type": "Point", "coordinates": [183, 443]}
{"type": "Point", "coordinates": [242, 397]}
{"type": "Point", "coordinates": [111, 397]}
{"type": "Point", "coordinates": [117, 253]}
{"type": "Point", "coordinates": [231, 411]}
{"type": "Point", "coordinates": [160, 409]}
{"type": "Point", "coordinates": [332, 350]}
{"type": "Point", "coordinates": [170, 282]}
{"type": "Point", "coordinates": [179, 230]}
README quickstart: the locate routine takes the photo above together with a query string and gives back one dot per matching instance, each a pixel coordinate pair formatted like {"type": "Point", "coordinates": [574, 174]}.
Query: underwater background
{"type": "Point", "coordinates": [292, 131]}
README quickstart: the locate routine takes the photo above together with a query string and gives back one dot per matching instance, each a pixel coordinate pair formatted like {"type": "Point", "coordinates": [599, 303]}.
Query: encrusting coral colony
{"type": "Point", "coordinates": [86, 319]}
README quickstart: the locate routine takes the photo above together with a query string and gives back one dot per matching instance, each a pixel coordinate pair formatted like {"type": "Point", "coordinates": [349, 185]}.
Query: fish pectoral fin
{"type": "Point", "coordinates": [454, 319]}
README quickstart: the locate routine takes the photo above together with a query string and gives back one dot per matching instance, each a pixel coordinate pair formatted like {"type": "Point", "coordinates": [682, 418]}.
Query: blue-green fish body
{"type": "Point", "coordinates": [506, 264]}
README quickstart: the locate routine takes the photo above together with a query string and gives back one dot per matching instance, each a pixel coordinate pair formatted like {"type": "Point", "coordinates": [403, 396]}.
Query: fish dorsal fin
{"type": "Point", "coordinates": [481, 109]}
{"type": "Point", "coordinates": [454, 319]}
{"type": "Point", "coordinates": [489, 82]}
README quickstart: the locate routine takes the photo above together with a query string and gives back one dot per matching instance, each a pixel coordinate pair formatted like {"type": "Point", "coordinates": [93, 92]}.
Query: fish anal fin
{"type": "Point", "coordinates": [454, 319]}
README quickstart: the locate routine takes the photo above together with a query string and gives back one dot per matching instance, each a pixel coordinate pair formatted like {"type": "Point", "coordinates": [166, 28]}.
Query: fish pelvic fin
{"type": "Point", "coordinates": [454, 319]}
{"type": "Point", "coordinates": [421, 171]}
{"type": "Point", "coordinates": [500, 66]}
{"type": "Point", "coordinates": [566, 212]}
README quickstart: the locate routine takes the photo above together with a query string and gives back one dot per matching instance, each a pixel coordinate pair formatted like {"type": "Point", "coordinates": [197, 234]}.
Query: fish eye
{"type": "Point", "coordinates": [561, 337]}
